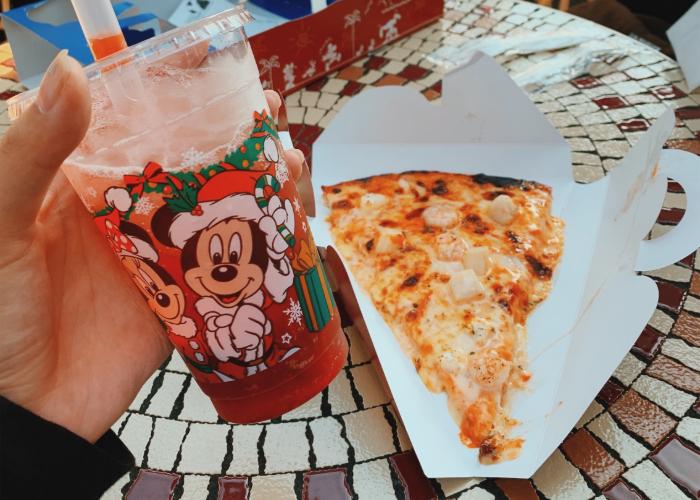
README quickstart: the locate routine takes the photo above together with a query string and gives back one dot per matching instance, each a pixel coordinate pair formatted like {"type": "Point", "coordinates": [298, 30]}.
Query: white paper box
{"type": "Point", "coordinates": [685, 39]}
{"type": "Point", "coordinates": [598, 305]}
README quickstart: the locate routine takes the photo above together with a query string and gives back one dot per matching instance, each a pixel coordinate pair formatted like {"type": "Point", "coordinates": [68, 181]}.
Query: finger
{"type": "Point", "coordinates": [294, 159]}
{"type": "Point", "coordinates": [39, 141]}
{"type": "Point", "coordinates": [274, 102]}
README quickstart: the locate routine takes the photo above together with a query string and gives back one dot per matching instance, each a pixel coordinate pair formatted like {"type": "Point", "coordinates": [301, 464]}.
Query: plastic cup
{"type": "Point", "coordinates": [183, 174]}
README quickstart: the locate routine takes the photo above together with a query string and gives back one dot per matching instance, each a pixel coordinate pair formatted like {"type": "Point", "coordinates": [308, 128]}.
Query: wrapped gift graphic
{"type": "Point", "coordinates": [313, 288]}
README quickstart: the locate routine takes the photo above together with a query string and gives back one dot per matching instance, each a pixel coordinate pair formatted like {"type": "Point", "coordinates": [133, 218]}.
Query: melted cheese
{"type": "Point", "coordinates": [455, 264]}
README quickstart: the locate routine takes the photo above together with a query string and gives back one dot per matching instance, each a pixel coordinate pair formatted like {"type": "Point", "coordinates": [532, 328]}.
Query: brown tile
{"type": "Point", "coordinates": [621, 491]}
{"type": "Point", "coordinates": [642, 417]}
{"type": "Point", "coordinates": [586, 82]}
{"type": "Point", "coordinates": [691, 113]}
{"type": "Point", "coordinates": [681, 463]}
{"type": "Point", "coordinates": [416, 485]}
{"type": "Point", "coordinates": [414, 72]}
{"type": "Point", "coordinates": [670, 296]}
{"type": "Point", "coordinates": [233, 488]}
{"type": "Point", "coordinates": [586, 453]}
{"type": "Point", "coordinates": [688, 328]}
{"type": "Point", "coordinates": [390, 80]}
{"type": "Point", "coordinates": [331, 483]}
{"type": "Point", "coordinates": [610, 392]}
{"type": "Point", "coordinates": [351, 73]}
{"type": "Point", "coordinates": [430, 94]}
{"type": "Point", "coordinates": [352, 88]}
{"type": "Point", "coordinates": [610, 102]}
{"type": "Point", "coordinates": [674, 187]}
{"type": "Point", "coordinates": [648, 342]}
{"type": "Point", "coordinates": [695, 284]}
{"type": "Point", "coordinates": [670, 215]}
{"type": "Point", "coordinates": [688, 260]}
{"type": "Point", "coordinates": [667, 92]}
{"type": "Point", "coordinates": [317, 85]}
{"type": "Point", "coordinates": [4, 96]}
{"type": "Point", "coordinates": [376, 62]}
{"type": "Point", "coordinates": [690, 145]}
{"type": "Point", "coordinates": [675, 373]}
{"type": "Point", "coordinates": [152, 484]}
{"type": "Point", "coordinates": [517, 489]}
{"type": "Point", "coordinates": [633, 125]}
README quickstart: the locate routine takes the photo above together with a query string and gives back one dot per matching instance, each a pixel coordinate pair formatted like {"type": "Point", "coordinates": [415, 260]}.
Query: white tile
{"type": "Point", "coordinates": [659, 230]}
{"type": "Point", "coordinates": [673, 273]}
{"type": "Point", "coordinates": [591, 412]}
{"type": "Point", "coordinates": [368, 385]}
{"type": "Point", "coordinates": [585, 158]}
{"type": "Point", "coordinates": [677, 349]}
{"type": "Point", "coordinates": [369, 433]}
{"type": "Point", "coordinates": [329, 446]}
{"type": "Point", "coordinates": [562, 119]}
{"type": "Point", "coordinates": [372, 481]}
{"type": "Point", "coordinates": [144, 392]}
{"type": "Point", "coordinates": [561, 89]}
{"type": "Point", "coordinates": [277, 487]}
{"type": "Point", "coordinates": [668, 397]}
{"type": "Point", "coordinates": [588, 173]}
{"type": "Point", "coordinates": [661, 321]}
{"type": "Point", "coordinates": [404, 441]}
{"type": "Point", "coordinates": [627, 88]}
{"type": "Point", "coordinates": [333, 86]}
{"type": "Point", "coordinates": [621, 113]}
{"type": "Point", "coordinates": [629, 369]}
{"type": "Point", "coordinates": [640, 72]}
{"type": "Point", "coordinates": [613, 149]}
{"type": "Point", "coordinates": [559, 480]}
{"type": "Point", "coordinates": [313, 116]}
{"type": "Point", "coordinates": [603, 132]}
{"type": "Point", "coordinates": [358, 350]}
{"type": "Point", "coordinates": [197, 406]}
{"type": "Point", "coordinates": [204, 449]}
{"type": "Point", "coordinates": [550, 106]}
{"type": "Point", "coordinates": [451, 486]}
{"type": "Point", "coordinates": [245, 450]}
{"type": "Point", "coordinates": [310, 409]}
{"type": "Point", "coordinates": [594, 118]}
{"type": "Point", "coordinates": [692, 304]}
{"type": "Point", "coordinates": [295, 114]}
{"type": "Point", "coordinates": [326, 120]}
{"type": "Point", "coordinates": [648, 478]}
{"type": "Point", "coordinates": [675, 200]}
{"type": "Point", "coordinates": [167, 436]}
{"type": "Point", "coordinates": [573, 131]}
{"type": "Point", "coordinates": [629, 450]}
{"type": "Point", "coordinates": [370, 77]}
{"type": "Point", "coordinates": [286, 447]}
{"type": "Point", "coordinates": [309, 98]}
{"type": "Point", "coordinates": [340, 395]}
{"type": "Point", "coordinates": [176, 364]}
{"type": "Point", "coordinates": [164, 398]}
{"type": "Point", "coordinates": [582, 109]}
{"type": "Point", "coordinates": [394, 67]}
{"type": "Point", "coordinates": [476, 494]}
{"type": "Point", "coordinates": [326, 101]}
{"type": "Point", "coordinates": [689, 428]}
{"type": "Point", "coordinates": [117, 425]}
{"type": "Point", "coordinates": [136, 434]}
{"type": "Point", "coordinates": [194, 487]}
{"type": "Point", "coordinates": [397, 53]}
{"type": "Point", "coordinates": [652, 110]}
{"type": "Point", "coordinates": [295, 98]}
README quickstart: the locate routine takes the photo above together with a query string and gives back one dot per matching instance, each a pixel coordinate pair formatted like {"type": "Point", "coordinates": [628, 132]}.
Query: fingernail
{"type": "Point", "coordinates": [282, 121]}
{"type": "Point", "coordinates": [52, 83]}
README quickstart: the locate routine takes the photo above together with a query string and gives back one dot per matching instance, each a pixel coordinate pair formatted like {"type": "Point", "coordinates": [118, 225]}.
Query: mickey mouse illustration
{"type": "Point", "coordinates": [233, 256]}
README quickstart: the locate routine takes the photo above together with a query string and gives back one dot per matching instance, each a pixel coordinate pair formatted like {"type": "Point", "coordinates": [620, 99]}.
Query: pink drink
{"type": "Point", "coordinates": [183, 172]}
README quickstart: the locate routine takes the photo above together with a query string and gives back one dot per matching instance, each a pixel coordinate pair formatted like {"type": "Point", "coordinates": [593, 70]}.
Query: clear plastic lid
{"type": "Point", "coordinates": [153, 49]}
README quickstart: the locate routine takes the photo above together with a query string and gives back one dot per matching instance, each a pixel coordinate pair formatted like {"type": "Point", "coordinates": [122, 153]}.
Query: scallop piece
{"type": "Point", "coordinates": [465, 285]}
{"type": "Point", "coordinates": [373, 200]}
{"type": "Point", "coordinates": [451, 247]}
{"type": "Point", "coordinates": [502, 209]}
{"type": "Point", "coordinates": [389, 240]}
{"type": "Point", "coordinates": [478, 260]}
{"type": "Point", "coordinates": [441, 215]}
{"type": "Point", "coordinates": [488, 368]}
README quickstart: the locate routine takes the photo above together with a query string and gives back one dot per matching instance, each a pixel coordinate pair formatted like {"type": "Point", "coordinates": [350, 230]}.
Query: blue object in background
{"type": "Point", "coordinates": [69, 35]}
{"type": "Point", "coordinates": [289, 9]}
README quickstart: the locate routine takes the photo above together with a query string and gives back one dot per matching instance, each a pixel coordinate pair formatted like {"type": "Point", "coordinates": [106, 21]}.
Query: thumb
{"type": "Point", "coordinates": [39, 141]}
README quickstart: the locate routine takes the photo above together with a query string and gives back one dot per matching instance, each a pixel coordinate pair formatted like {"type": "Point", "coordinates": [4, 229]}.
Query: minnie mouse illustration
{"type": "Point", "coordinates": [139, 257]}
{"type": "Point", "coordinates": [234, 257]}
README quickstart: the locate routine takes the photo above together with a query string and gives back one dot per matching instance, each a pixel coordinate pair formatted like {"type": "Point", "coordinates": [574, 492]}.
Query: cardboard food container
{"type": "Point", "coordinates": [598, 304]}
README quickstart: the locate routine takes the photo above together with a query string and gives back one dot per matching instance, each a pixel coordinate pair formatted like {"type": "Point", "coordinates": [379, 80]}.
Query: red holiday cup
{"type": "Point", "coordinates": [183, 173]}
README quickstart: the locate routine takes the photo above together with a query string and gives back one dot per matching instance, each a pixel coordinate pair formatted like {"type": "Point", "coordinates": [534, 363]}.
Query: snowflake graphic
{"type": "Point", "coordinates": [297, 205]}
{"type": "Point", "coordinates": [286, 338]}
{"type": "Point", "coordinates": [91, 192]}
{"type": "Point", "coordinates": [143, 206]}
{"type": "Point", "coordinates": [193, 158]}
{"type": "Point", "coordinates": [294, 312]}
{"type": "Point", "coordinates": [282, 173]}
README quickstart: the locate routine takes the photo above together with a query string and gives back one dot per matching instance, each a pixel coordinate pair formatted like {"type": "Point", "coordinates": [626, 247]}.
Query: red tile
{"type": "Point", "coordinates": [690, 145]}
{"type": "Point", "coordinates": [517, 489]}
{"type": "Point", "coordinates": [4, 96]}
{"type": "Point", "coordinates": [437, 87]}
{"type": "Point", "coordinates": [633, 125]}
{"type": "Point", "coordinates": [610, 392]}
{"type": "Point", "coordinates": [681, 463]}
{"type": "Point", "coordinates": [390, 80]}
{"type": "Point", "coordinates": [642, 417]}
{"type": "Point", "coordinates": [416, 485]}
{"type": "Point", "coordinates": [150, 484]}
{"type": "Point", "coordinates": [376, 62]}
{"type": "Point", "coordinates": [691, 113]}
{"type": "Point", "coordinates": [675, 373]}
{"type": "Point", "coordinates": [586, 82]}
{"type": "Point", "coordinates": [688, 261]}
{"type": "Point", "coordinates": [351, 73]}
{"type": "Point", "coordinates": [648, 342]}
{"type": "Point", "coordinates": [674, 187]}
{"type": "Point", "coordinates": [351, 89]}
{"type": "Point", "coordinates": [670, 215]}
{"type": "Point", "coordinates": [610, 102]}
{"type": "Point", "coordinates": [414, 72]}
{"type": "Point", "coordinates": [233, 488]}
{"type": "Point", "coordinates": [329, 483]}
{"type": "Point", "coordinates": [586, 453]}
{"type": "Point", "coordinates": [621, 491]}
{"type": "Point", "coordinates": [670, 296]}
{"type": "Point", "coordinates": [317, 85]}
{"type": "Point", "coordinates": [667, 92]}
{"type": "Point", "coordinates": [688, 328]}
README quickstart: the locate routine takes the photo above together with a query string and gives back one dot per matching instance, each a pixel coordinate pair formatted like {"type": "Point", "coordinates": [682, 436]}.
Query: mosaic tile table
{"type": "Point", "coordinates": [641, 436]}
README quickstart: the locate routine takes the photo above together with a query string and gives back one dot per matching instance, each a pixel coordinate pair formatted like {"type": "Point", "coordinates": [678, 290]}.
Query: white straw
{"type": "Point", "coordinates": [97, 18]}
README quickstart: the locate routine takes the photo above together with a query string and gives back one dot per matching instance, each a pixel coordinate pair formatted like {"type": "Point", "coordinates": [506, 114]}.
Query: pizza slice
{"type": "Point", "coordinates": [455, 264]}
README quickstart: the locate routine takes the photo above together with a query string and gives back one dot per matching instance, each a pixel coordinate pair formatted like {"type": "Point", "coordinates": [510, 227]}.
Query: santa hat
{"type": "Point", "coordinates": [226, 195]}
{"type": "Point", "coordinates": [122, 243]}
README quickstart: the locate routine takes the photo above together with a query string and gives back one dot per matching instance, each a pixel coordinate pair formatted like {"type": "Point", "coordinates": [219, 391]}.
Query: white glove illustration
{"type": "Point", "coordinates": [277, 214]}
{"type": "Point", "coordinates": [238, 336]}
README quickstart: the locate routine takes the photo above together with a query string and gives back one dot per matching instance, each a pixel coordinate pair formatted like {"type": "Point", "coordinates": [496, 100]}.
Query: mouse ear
{"type": "Point", "coordinates": [160, 225]}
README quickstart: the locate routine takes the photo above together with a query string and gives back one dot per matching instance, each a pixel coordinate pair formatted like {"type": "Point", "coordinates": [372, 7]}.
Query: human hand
{"type": "Point", "coordinates": [79, 341]}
